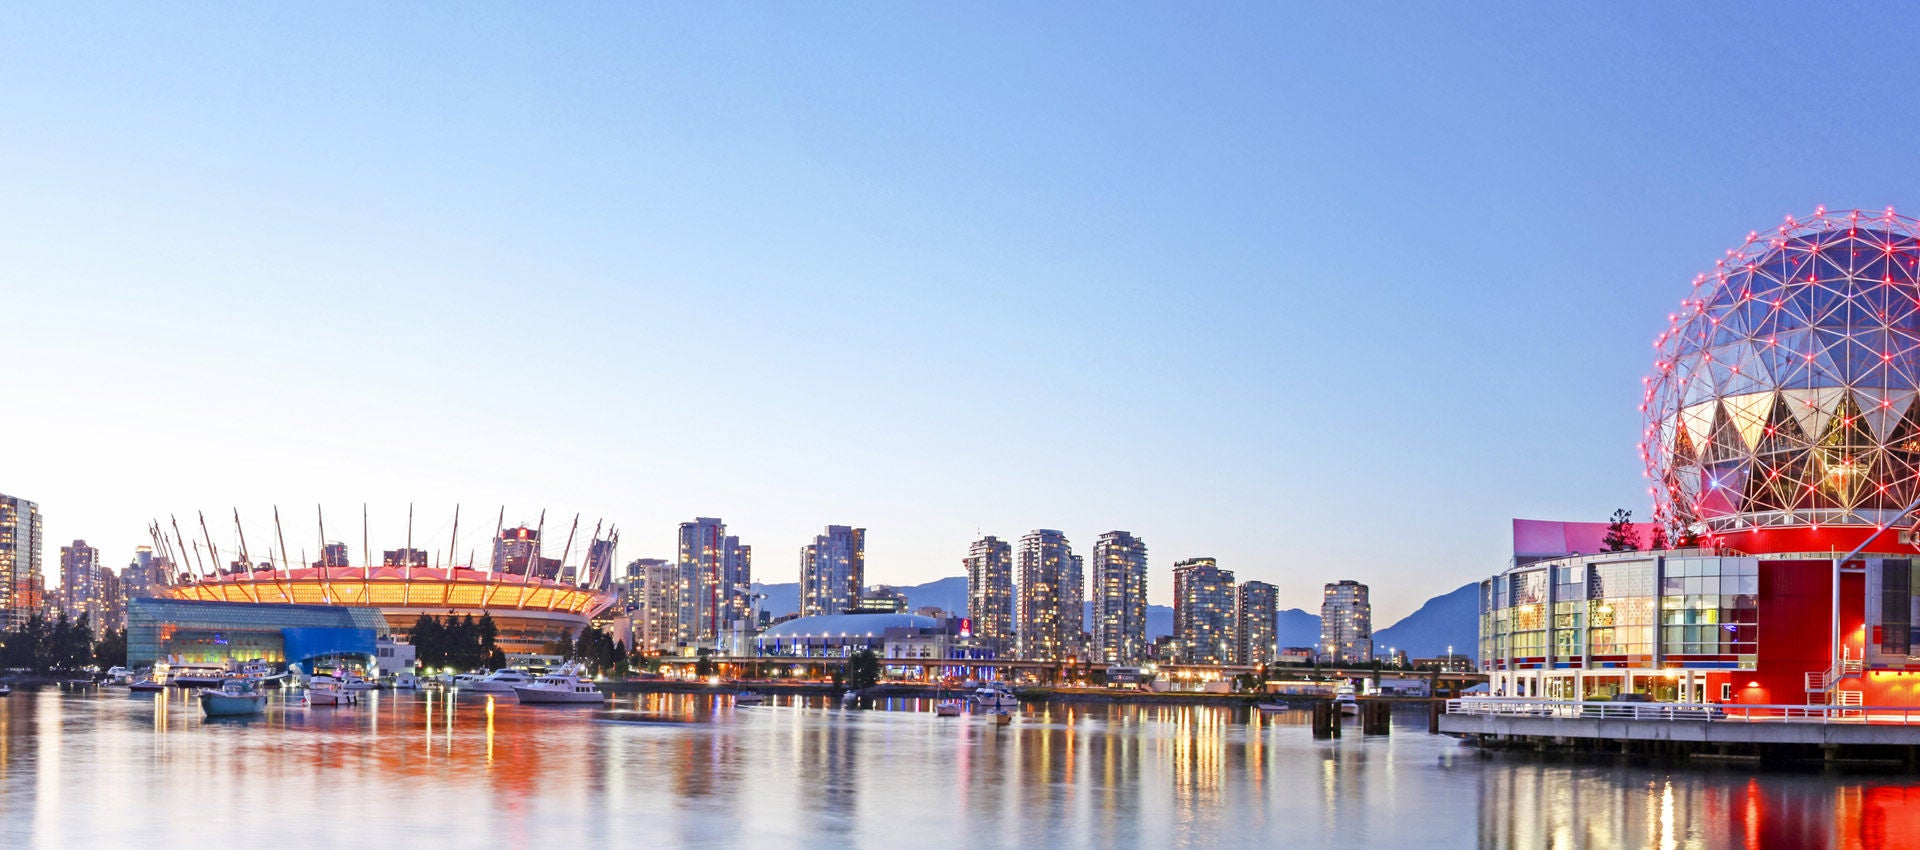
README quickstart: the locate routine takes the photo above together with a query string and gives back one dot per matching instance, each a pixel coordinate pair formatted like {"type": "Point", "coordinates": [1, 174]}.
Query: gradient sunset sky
{"type": "Point", "coordinates": [1323, 293]}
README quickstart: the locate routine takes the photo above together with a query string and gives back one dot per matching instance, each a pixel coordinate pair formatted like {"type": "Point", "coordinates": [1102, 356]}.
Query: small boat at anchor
{"type": "Point", "coordinates": [749, 698]}
{"type": "Point", "coordinates": [236, 697]}
{"type": "Point", "coordinates": [948, 708]}
{"type": "Point", "coordinates": [323, 689]}
{"type": "Point", "coordinates": [995, 696]}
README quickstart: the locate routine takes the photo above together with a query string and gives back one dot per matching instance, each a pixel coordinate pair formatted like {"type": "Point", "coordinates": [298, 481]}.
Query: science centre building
{"type": "Point", "coordinates": [1782, 443]}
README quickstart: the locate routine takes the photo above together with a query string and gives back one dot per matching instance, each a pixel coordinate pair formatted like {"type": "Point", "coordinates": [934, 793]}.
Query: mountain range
{"type": "Point", "coordinates": [1448, 620]}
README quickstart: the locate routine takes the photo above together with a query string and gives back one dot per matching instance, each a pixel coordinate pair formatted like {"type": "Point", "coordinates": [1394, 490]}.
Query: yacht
{"type": "Point", "coordinates": [119, 676]}
{"type": "Point", "coordinates": [323, 689]}
{"type": "Point", "coordinates": [995, 696]}
{"type": "Point", "coordinates": [407, 682]}
{"type": "Point", "coordinates": [236, 697]}
{"type": "Point", "coordinates": [356, 683]}
{"type": "Point", "coordinates": [501, 681]}
{"type": "Point", "coordinates": [564, 685]}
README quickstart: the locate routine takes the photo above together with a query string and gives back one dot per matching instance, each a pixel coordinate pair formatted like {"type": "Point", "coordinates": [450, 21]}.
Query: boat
{"type": "Point", "coordinates": [194, 675]}
{"type": "Point", "coordinates": [501, 681]}
{"type": "Point", "coordinates": [563, 686]}
{"type": "Point", "coordinates": [849, 699]}
{"type": "Point", "coordinates": [145, 686]}
{"type": "Point", "coordinates": [948, 708]}
{"type": "Point", "coordinates": [1343, 699]}
{"type": "Point", "coordinates": [263, 673]}
{"type": "Point", "coordinates": [323, 689]}
{"type": "Point", "coordinates": [5, 689]}
{"type": "Point", "coordinates": [748, 698]}
{"type": "Point", "coordinates": [356, 683]}
{"type": "Point", "coordinates": [236, 697]}
{"type": "Point", "coordinates": [995, 696]}
{"type": "Point", "coordinates": [1270, 707]}
{"type": "Point", "coordinates": [119, 675]}
{"type": "Point", "coordinates": [407, 682]}
{"type": "Point", "coordinates": [1002, 717]}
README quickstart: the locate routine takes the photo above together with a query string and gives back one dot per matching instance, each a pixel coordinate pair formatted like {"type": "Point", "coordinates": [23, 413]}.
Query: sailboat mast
{"type": "Point", "coordinates": [453, 545]}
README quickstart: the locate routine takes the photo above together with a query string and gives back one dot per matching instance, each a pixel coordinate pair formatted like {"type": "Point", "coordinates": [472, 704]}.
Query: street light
{"type": "Point", "coordinates": [1834, 668]}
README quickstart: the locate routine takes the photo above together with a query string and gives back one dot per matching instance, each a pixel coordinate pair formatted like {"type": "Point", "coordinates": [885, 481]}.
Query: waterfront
{"type": "Point", "coordinates": [100, 768]}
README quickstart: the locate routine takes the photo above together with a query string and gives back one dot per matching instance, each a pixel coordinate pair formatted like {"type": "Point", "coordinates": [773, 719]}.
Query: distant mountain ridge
{"type": "Point", "coordinates": [1450, 619]}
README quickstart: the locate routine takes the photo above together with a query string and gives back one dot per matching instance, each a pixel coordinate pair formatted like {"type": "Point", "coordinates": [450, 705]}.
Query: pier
{"type": "Point", "coordinates": [1691, 730]}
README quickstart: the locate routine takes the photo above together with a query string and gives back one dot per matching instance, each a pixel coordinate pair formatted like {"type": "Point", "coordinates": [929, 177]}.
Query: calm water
{"type": "Point", "coordinates": [102, 769]}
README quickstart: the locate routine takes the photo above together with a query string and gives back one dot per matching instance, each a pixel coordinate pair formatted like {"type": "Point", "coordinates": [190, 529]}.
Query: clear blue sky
{"type": "Point", "coordinates": [1323, 293]}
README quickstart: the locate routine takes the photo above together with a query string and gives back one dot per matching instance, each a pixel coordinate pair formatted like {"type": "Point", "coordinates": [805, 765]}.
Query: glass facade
{"type": "Point", "coordinates": [1631, 610]}
{"type": "Point", "coordinates": [1710, 610]}
{"type": "Point", "coordinates": [194, 632]}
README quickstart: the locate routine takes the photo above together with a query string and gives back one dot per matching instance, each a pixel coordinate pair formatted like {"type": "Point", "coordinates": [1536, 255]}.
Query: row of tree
{"type": "Point", "coordinates": [596, 650]}
{"type": "Point", "coordinates": [41, 645]}
{"type": "Point", "coordinates": [461, 643]}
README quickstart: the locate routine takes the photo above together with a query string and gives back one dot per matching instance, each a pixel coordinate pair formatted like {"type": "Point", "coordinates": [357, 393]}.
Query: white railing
{"type": "Point", "coordinates": [1900, 715]}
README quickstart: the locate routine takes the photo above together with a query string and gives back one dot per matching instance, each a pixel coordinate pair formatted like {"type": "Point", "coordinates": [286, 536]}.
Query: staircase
{"type": "Point", "coordinates": [1820, 683]}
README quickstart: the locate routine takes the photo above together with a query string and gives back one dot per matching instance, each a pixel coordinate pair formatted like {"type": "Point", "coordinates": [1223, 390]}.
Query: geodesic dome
{"type": "Point", "coordinates": [1783, 393]}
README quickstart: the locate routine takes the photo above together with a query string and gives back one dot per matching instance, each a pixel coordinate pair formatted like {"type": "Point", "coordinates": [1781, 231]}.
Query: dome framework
{"type": "Point", "coordinates": [1783, 392]}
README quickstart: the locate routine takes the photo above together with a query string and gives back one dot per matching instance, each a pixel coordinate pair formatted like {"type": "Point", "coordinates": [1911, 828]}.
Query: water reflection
{"type": "Point", "coordinates": [101, 768]}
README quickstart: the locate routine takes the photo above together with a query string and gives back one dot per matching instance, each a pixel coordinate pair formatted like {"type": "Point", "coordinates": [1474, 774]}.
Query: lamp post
{"type": "Point", "coordinates": [1834, 668]}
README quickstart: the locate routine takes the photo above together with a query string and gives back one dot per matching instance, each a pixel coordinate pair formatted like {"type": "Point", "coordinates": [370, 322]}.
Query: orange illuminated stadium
{"type": "Point", "coordinates": [533, 600]}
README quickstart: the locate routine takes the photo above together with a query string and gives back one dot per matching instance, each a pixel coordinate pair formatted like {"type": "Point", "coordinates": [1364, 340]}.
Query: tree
{"type": "Point", "coordinates": [1659, 540]}
{"type": "Point", "coordinates": [111, 649]}
{"type": "Point", "coordinates": [1621, 536]}
{"type": "Point", "coordinates": [863, 670]}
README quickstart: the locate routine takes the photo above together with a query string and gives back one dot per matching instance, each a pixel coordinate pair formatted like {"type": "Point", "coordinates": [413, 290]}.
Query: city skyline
{"type": "Point", "coordinates": [1133, 248]}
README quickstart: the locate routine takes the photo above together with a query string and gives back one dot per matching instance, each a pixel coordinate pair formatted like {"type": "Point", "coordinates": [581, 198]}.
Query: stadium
{"type": "Point", "coordinates": [533, 600]}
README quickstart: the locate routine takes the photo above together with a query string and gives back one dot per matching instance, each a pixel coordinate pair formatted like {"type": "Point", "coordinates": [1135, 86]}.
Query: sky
{"type": "Point", "coordinates": [1324, 293]}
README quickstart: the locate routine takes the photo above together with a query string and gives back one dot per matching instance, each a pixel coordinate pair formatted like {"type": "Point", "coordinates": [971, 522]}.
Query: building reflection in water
{"type": "Point", "coordinates": [1602, 804]}
{"type": "Point", "coordinates": [87, 769]}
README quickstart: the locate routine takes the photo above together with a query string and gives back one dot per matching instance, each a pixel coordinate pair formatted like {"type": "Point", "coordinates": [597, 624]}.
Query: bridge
{"type": "Point", "coordinates": [1047, 672]}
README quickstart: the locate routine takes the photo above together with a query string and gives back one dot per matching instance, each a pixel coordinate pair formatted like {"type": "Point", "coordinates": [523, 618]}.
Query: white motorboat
{"type": "Point", "coordinates": [236, 697]}
{"type": "Point", "coordinates": [355, 683]}
{"type": "Point", "coordinates": [407, 682]}
{"type": "Point", "coordinates": [995, 696]}
{"type": "Point", "coordinates": [948, 708]}
{"type": "Point", "coordinates": [148, 685]}
{"type": "Point", "coordinates": [5, 689]}
{"type": "Point", "coordinates": [563, 686]}
{"type": "Point", "coordinates": [749, 698]}
{"type": "Point", "coordinates": [327, 690]}
{"type": "Point", "coordinates": [119, 676]}
{"type": "Point", "coordinates": [193, 675]}
{"type": "Point", "coordinates": [1343, 699]}
{"type": "Point", "coordinates": [501, 681]}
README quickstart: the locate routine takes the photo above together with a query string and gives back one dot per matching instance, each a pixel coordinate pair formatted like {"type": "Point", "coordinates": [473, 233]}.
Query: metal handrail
{"type": "Point", "coordinates": [1901, 715]}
